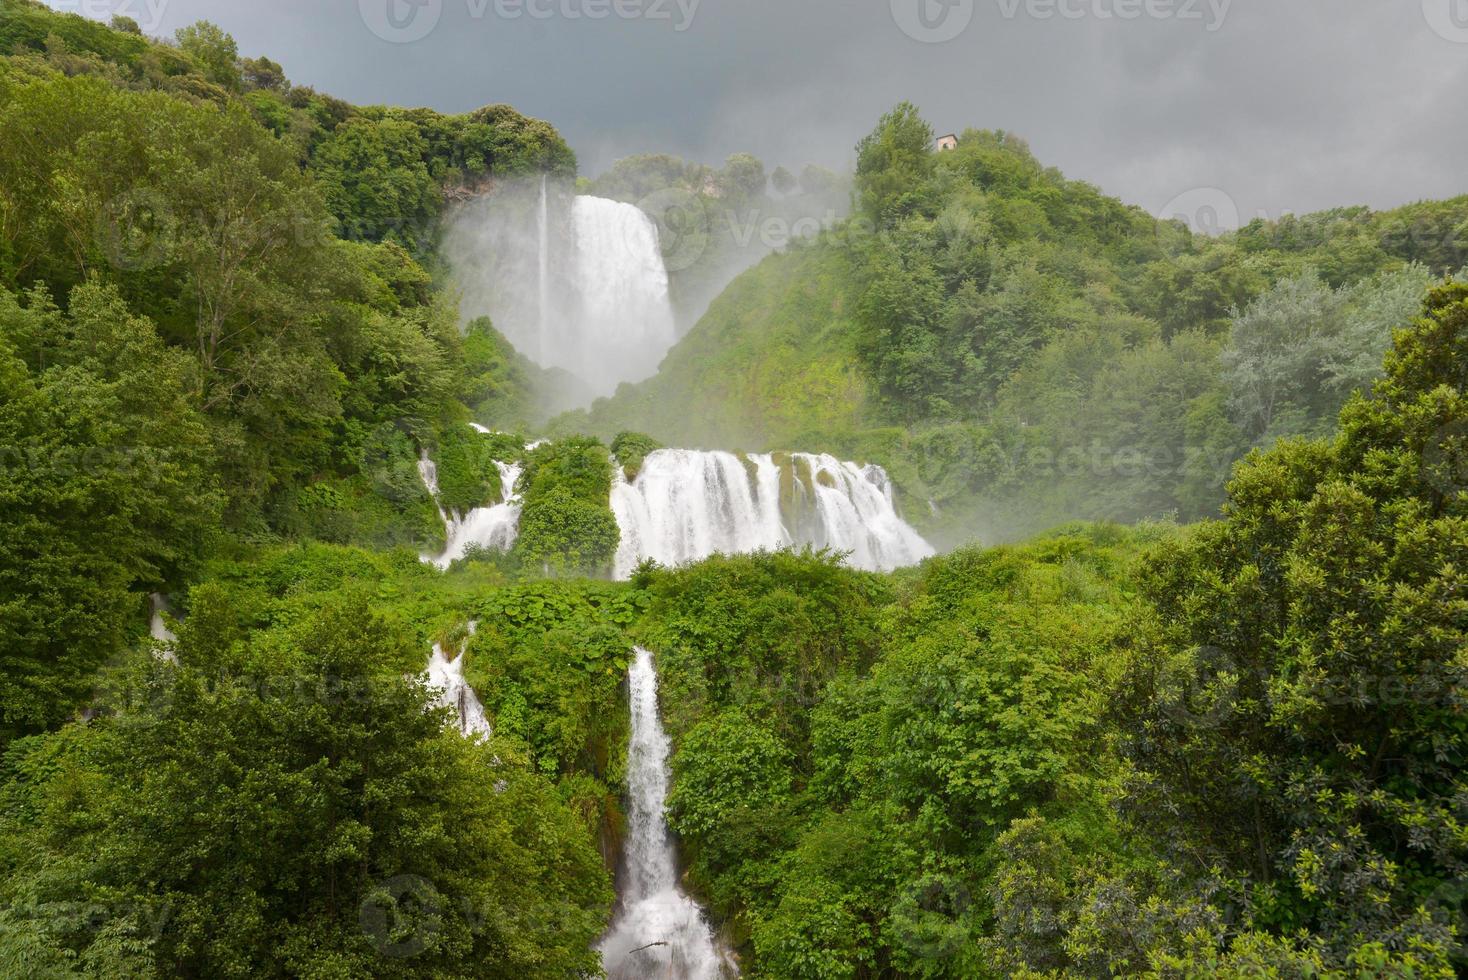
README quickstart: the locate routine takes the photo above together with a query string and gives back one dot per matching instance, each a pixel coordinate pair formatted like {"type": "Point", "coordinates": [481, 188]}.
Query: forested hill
{"type": "Point", "coordinates": [216, 318]}
{"type": "Point", "coordinates": [995, 333]}
{"type": "Point", "coordinates": [1233, 747]}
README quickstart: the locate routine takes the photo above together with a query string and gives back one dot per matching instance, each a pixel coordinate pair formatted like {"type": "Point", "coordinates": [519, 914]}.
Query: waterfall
{"type": "Point", "coordinates": [157, 625]}
{"type": "Point", "coordinates": [685, 505]}
{"type": "Point", "coordinates": [543, 252]}
{"type": "Point", "coordinates": [446, 676]}
{"type": "Point", "coordinates": [495, 527]}
{"type": "Point", "coordinates": [158, 628]}
{"type": "Point", "coordinates": [576, 283]}
{"type": "Point", "coordinates": [625, 323]}
{"type": "Point", "coordinates": [659, 931]}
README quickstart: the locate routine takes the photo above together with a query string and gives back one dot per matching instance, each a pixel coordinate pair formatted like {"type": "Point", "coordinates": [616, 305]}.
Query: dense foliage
{"type": "Point", "coordinates": [1232, 748]}
{"type": "Point", "coordinates": [567, 525]}
{"type": "Point", "coordinates": [286, 800]}
{"type": "Point", "coordinates": [1214, 751]}
{"type": "Point", "coordinates": [106, 487]}
{"type": "Point", "coordinates": [992, 332]}
{"type": "Point", "coordinates": [190, 335]}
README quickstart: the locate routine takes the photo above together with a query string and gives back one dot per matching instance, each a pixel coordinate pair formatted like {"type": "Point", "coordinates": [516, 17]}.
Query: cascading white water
{"type": "Point", "coordinates": [659, 931]}
{"type": "Point", "coordinates": [574, 282]}
{"type": "Point", "coordinates": [856, 513]}
{"type": "Point", "coordinates": [446, 676]}
{"type": "Point", "coordinates": [157, 625]}
{"type": "Point", "coordinates": [158, 628]}
{"type": "Point", "coordinates": [686, 505]}
{"type": "Point", "coordinates": [494, 527]}
{"type": "Point", "coordinates": [625, 321]}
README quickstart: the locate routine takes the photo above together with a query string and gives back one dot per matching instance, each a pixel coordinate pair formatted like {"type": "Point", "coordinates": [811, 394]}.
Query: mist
{"type": "Point", "coordinates": [599, 286]}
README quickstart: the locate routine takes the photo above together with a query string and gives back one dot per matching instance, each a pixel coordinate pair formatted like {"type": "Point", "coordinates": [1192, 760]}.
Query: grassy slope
{"type": "Point", "coordinates": [771, 359]}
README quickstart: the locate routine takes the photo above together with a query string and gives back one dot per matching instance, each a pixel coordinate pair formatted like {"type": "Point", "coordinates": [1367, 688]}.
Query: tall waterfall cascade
{"type": "Point", "coordinates": [686, 505]}
{"type": "Point", "coordinates": [658, 930]}
{"type": "Point", "coordinates": [575, 282]}
{"type": "Point", "coordinates": [625, 322]}
{"type": "Point", "coordinates": [542, 256]}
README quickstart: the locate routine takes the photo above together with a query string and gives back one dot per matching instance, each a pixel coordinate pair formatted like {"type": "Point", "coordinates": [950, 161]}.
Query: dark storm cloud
{"type": "Point", "coordinates": [1289, 106]}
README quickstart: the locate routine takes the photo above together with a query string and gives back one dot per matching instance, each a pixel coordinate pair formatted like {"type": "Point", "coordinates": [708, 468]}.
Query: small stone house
{"type": "Point", "coordinates": [948, 142]}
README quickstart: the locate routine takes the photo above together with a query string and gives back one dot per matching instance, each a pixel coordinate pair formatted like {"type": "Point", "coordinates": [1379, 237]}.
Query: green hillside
{"type": "Point", "coordinates": [774, 356]}
{"type": "Point", "coordinates": [246, 730]}
{"type": "Point", "coordinates": [1019, 349]}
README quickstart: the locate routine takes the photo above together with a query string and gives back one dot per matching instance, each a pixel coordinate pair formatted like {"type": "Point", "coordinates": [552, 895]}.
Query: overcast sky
{"type": "Point", "coordinates": [1281, 105]}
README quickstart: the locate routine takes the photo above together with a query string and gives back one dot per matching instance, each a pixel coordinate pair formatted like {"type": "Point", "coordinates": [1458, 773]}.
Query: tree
{"type": "Point", "coordinates": [1299, 350]}
{"type": "Point", "coordinates": [818, 180]}
{"type": "Point", "coordinates": [562, 534]}
{"type": "Point", "coordinates": [107, 491]}
{"type": "Point", "coordinates": [1275, 351]}
{"type": "Point", "coordinates": [215, 50]}
{"type": "Point", "coordinates": [891, 161]}
{"type": "Point", "coordinates": [1304, 718]}
{"type": "Point", "coordinates": [274, 805]}
{"type": "Point", "coordinates": [376, 181]}
{"type": "Point", "coordinates": [743, 177]}
{"type": "Point", "coordinates": [205, 222]}
{"type": "Point", "coordinates": [784, 181]}
{"type": "Point", "coordinates": [262, 73]}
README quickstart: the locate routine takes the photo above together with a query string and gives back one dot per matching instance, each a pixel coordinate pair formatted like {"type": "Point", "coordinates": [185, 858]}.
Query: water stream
{"type": "Point", "coordinates": [658, 932]}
